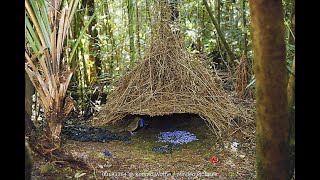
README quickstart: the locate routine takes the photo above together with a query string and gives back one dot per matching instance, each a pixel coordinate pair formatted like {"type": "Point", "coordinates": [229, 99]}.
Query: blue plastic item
{"type": "Point", "coordinates": [177, 137]}
{"type": "Point", "coordinates": [107, 153]}
{"type": "Point", "coordinates": [141, 122]}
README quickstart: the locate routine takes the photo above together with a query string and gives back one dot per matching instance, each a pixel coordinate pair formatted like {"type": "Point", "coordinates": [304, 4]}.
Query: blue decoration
{"type": "Point", "coordinates": [107, 153]}
{"type": "Point", "coordinates": [141, 123]}
{"type": "Point", "coordinates": [177, 137]}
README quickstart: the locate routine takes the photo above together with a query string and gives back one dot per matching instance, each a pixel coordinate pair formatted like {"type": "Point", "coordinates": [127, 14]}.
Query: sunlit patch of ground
{"type": "Point", "coordinates": [136, 160]}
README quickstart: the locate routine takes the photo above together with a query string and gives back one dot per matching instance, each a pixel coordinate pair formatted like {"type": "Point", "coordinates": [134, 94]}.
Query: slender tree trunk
{"type": "Point", "coordinates": [93, 42]}
{"type": "Point", "coordinates": [148, 16]}
{"type": "Point", "coordinates": [79, 24]}
{"type": "Point", "coordinates": [138, 29]}
{"type": "Point", "coordinates": [199, 27]}
{"type": "Point", "coordinates": [85, 67]}
{"type": "Point", "coordinates": [267, 28]}
{"type": "Point", "coordinates": [223, 40]}
{"type": "Point", "coordinates": [111, 38]}
{"type": "Point", "coordinates": [81, 87]}
{"type": "Point", "coordinates": [218, 9]}
{"type": "Point", "coordinates": [131, 35]}
{"type": "Point", "coordinates": [230, 14]}
{"type": "Point", "coordinates": [244, 26]}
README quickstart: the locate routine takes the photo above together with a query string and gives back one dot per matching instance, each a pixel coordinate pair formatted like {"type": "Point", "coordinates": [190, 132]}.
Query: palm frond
{"type": "Point", "coordinates": [47, 25]}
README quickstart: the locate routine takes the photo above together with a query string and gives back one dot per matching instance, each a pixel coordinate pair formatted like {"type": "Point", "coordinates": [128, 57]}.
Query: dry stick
{"type": "Point", "coordinates": [150, 72]}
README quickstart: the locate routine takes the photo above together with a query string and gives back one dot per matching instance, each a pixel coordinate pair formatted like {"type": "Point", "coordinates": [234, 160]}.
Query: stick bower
{"type": "Point", "coordinates": [169, 80]}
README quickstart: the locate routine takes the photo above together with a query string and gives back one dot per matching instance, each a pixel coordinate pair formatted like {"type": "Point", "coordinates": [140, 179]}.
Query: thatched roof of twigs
{"type": "Point", "coordinates": [169, 80]}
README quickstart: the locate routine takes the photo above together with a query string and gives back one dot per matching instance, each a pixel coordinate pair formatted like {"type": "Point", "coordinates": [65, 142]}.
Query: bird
{"type": "Point", "coordinates": [136, 124]}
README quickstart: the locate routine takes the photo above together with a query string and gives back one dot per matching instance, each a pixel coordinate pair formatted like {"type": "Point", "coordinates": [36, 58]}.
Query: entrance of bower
{"type": "Point", "coordinates": [172, 122]}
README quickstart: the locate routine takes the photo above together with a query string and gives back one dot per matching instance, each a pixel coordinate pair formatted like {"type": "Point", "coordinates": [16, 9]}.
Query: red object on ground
{"type": "Point", "coordinates": [214, 159]}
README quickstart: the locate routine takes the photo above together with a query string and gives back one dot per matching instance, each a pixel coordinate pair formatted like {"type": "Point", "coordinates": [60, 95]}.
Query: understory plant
{"type": "Point", "coordinates": [47, 26]}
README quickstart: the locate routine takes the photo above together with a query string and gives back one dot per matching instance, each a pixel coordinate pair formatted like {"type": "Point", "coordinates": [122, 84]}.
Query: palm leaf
{"type": "Point", "coordinates": [32, 37]}
{"type": "Point", "coordinates": [47, 24]}
{"type": "Point", "coordinates": [41, 21]}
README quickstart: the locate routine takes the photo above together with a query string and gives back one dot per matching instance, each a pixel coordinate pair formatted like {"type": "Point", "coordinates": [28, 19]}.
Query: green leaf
{"type": "Point", "coordinates": [45, 16]}
{"type": "Point", "coordinates": [32, 38]}
{"type": "Point", "coordinates": [41, 21]}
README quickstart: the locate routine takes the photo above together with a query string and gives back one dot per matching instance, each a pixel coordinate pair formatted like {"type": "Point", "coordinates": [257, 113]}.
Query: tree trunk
{"type": "Point", "coordinates": [218, 12]}
{"type": "Point", "coordinates": [55, 120]}
{"type": "Point", "coordinates": [93, 42]}
{"type": "Point", "coordinates": [138, 30]}
{"type": "Point", "coordinates": [79, 24]}
{"type": "Point", "coordinates": [291, 85]}
{"type": "Point", "coordinates": [267, 28]}
{"type": "Point", "coordinates": [131, 35]}
{"type": "Point", "coordinates": [199, 27]}
{"type": "Point", "coordinates": [223, 40]}
{"type": "Point", "coordinates": [148, 17]}
{"type": "Point", "coordinates": [291, 105]}
{"type": "Point", "coordinates": [218, 9]}
{"type": "Point", "coordinates": [114, 50]}
{"type": "Point", "coordinates": [244, 27]}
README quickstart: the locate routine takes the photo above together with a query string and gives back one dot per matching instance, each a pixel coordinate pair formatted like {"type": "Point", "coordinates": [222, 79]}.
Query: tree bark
{"type": "Point", "coordinates": [199, 27]}
{"type": "Point", "coordinates": [291, 104]}
{"type": "Point", "coordinates": [223, 40]}
{"type": "Point", "coordinates": [93, 42]}
{"type": "Point", "coordinates": [244, 27]}
{"type": "Point", "coordinates": [291, 85]}
{"type": "Point", "coordinates": [148, 18]}
{"type": "Point", "coordinates": [131, 35]}
{"type": "Point", "coordinates": [218, 12]}
{"type": "Point", "coordinates": [55, 120]}
{"type": "Point", "coordinates": [267, 26]}
{"type": "Point", "coordinates": [114, 50]}
{"type": "Point", "coordinates": [138, 30]}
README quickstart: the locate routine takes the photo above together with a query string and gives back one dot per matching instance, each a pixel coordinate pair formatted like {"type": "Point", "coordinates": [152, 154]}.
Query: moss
{"type": "Point", "coordinates": [67, 169]}
{"type": "Point", "coordinates": [47, 168]}
{"type": "Point", "coordinates": [100, 156]}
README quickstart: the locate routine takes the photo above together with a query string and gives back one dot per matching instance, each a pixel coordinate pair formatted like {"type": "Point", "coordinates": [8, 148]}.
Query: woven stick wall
{"type": "Point", "coordinates": [169, 80]}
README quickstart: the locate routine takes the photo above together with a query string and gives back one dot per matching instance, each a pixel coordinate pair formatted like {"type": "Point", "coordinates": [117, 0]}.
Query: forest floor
{"type": "Point", "coordinates": [137, 160]}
